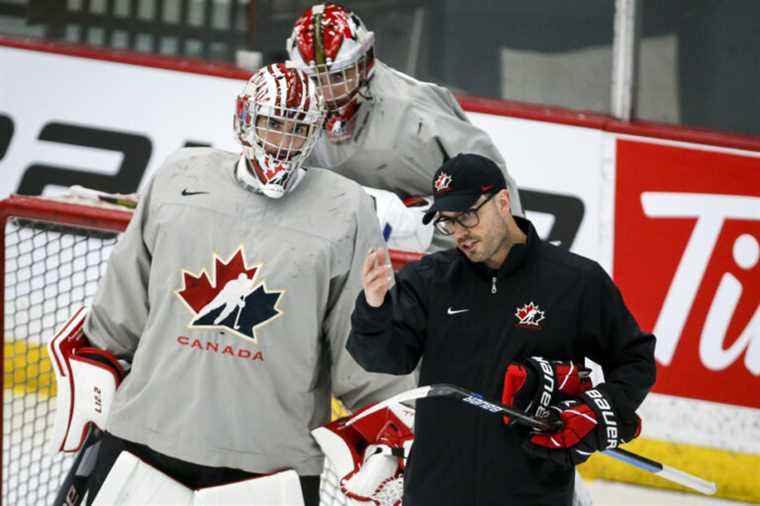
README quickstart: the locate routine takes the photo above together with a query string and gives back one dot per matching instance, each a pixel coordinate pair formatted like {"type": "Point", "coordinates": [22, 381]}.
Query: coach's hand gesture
{"type": "Point", "coordinates": [377, 276]}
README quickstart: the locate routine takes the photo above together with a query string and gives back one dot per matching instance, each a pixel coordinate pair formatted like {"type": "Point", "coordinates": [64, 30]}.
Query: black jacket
{"type": "Point", "coordinates": [461, 319]}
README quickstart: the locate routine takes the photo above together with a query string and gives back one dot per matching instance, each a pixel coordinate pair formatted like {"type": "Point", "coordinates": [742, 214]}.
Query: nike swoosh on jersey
{"type": "Point", "coordinates": [452, 311]}
{"type": "Point", "coordinates": [186, 193]}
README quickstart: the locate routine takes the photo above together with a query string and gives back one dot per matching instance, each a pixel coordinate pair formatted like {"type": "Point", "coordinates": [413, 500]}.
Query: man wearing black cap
{"type": "Point", "coordinates": [512, 317]}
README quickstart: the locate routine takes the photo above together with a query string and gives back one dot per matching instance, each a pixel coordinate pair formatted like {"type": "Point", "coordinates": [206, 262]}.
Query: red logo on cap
{"type": "Point", "coordinates": [486, 187]}
{"type": "Point", "coordinates": [442, 183]}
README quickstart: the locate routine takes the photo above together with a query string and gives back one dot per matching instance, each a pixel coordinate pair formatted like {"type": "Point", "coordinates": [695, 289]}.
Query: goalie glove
{"type": "Point", "coordinates": [364, 462]}
{"type": "Point", "coordinates": [536, 384]}
{"type": "Point", "coordinates": [588, 425]}
{"type": "Point", "coordinates": [86, 378]}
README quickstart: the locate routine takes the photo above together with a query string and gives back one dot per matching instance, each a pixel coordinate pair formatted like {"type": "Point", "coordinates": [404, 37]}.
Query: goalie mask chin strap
{"type": "Point", "coordinates": [250, 182]}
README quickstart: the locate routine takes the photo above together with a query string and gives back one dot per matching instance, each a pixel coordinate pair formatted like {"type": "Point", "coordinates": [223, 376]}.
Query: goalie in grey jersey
{"type": "Point", "coordinates": [384, 129]}
{"type": "Point", "coordinates": [230, 293]}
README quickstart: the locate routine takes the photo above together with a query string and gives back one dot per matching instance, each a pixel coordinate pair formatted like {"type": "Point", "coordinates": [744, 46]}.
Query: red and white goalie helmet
{"type": "Point", "coordinates": [332, 44]}
{"type": "Point", "coordinates": [278, 119]}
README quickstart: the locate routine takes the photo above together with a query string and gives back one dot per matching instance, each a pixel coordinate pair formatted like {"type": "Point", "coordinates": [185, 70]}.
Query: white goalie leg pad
{"type": "Point", "coordinates": [132, 482]}
{"type": "Point", "coordinates": [279, 489]}
{"type": "Point", "coordinates": [86, 380]}
{"type": "Point", "coordinates": [402, 225]}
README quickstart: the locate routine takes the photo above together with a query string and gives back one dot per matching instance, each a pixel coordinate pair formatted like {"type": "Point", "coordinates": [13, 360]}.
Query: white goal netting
{"type": "Point", "coordinates": [49, 269]}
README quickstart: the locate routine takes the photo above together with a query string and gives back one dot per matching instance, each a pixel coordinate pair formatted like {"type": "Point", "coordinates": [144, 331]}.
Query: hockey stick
{"type": "Point", "coordinates": [477, 400]}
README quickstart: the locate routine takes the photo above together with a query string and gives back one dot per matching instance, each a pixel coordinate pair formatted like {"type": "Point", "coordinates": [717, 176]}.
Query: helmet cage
{"type": "Point", "coordinates": [276, 139]}
{"type": "Point", "coordinates": [332, 45]}
{"type": "Point", "coordinates": [340, 84]}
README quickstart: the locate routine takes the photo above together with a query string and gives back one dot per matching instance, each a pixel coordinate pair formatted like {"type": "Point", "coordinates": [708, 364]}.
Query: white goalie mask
{"type": "Point", "coordinates": [331, 43]}
{"type": "Point", "coordinates": [278, 119]}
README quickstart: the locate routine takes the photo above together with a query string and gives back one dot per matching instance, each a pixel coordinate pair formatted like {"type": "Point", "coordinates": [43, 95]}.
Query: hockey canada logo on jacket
{"type": "Point", "coordinates": [529, 316]}
{"type": "Point", "coordinates": [234, 300]}
{"type": "Point", "coordinates": [442, 183]}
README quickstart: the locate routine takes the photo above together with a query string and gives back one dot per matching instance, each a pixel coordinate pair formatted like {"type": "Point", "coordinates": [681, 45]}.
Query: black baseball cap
{"type": "Point", "coordinates": [460, 181]}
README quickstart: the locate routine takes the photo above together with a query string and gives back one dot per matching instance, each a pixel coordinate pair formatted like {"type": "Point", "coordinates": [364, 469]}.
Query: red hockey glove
{"type": "Point", "coordinates": [589, 425]}
{"type": "Point", "coordinates": [536, 384]}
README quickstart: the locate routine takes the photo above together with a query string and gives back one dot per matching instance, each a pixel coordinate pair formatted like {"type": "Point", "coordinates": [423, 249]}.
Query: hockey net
{"type": "Point", "coordinates": [53, 255]}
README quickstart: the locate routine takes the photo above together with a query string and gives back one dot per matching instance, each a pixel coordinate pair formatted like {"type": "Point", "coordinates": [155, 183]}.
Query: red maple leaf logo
{"type": "Point", "coordinates": [234, 300]}
{"type": "Point", "coordinates": [530, 315]}
{"type": "Point", "coordinates": [199, 290]}
{"type": "Point", "coordinates": [523, 312]}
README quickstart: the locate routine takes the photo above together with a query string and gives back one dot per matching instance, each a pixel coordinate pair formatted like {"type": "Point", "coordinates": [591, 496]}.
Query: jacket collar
{"type": "Point", "coordinates": [518, 254]}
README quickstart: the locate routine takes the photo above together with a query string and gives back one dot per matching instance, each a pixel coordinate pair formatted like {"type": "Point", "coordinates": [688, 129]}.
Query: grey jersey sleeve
{"type": "Point", "coordinates": [354, 386]}
{"type": "Point", "coordinates": [443, 117]}
{"type": "Point", "coordinates": [119, 311]}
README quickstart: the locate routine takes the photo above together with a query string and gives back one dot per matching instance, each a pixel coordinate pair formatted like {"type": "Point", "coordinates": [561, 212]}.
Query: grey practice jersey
{"type": "Point", "coordinates": [234, 309]}
{"type": "Point", "coordinates": [402, 136]}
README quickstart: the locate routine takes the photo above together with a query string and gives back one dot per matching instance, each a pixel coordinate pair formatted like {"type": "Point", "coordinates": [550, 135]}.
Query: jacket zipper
{"type": "Point", "coordinates": [493, 284]}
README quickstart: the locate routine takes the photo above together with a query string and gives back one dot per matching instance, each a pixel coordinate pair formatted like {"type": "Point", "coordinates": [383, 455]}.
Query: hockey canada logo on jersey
{"type": "Point", "coordinates": [529, 316]}
{"type": "Point", "coordinates": [442, 183]}
{"type": "Point", "coordinates": [234, 300]}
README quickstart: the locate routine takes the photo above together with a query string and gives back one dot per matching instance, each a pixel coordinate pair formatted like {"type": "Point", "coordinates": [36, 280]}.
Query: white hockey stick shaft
{"type": "Point", "coordinates": [400, 398]}
{"type": "Point", "coordinates": [663, 471]}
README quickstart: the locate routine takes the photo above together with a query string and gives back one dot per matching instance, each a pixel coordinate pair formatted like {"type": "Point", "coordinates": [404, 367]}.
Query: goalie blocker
{"type": "Point", "coordinates": [86, 378]}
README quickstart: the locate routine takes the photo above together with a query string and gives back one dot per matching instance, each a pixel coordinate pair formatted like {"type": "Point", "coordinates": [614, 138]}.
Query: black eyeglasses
{"type": "Point", "coordinates": [468, 219]}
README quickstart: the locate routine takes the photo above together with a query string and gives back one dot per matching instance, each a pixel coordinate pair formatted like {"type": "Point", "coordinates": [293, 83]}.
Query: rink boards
{"type": "Point", "coordinates": [673, 214]}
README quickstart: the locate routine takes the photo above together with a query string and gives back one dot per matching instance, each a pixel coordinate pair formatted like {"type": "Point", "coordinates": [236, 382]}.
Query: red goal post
{"type": "Point", "coordinates": [53, 253]}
